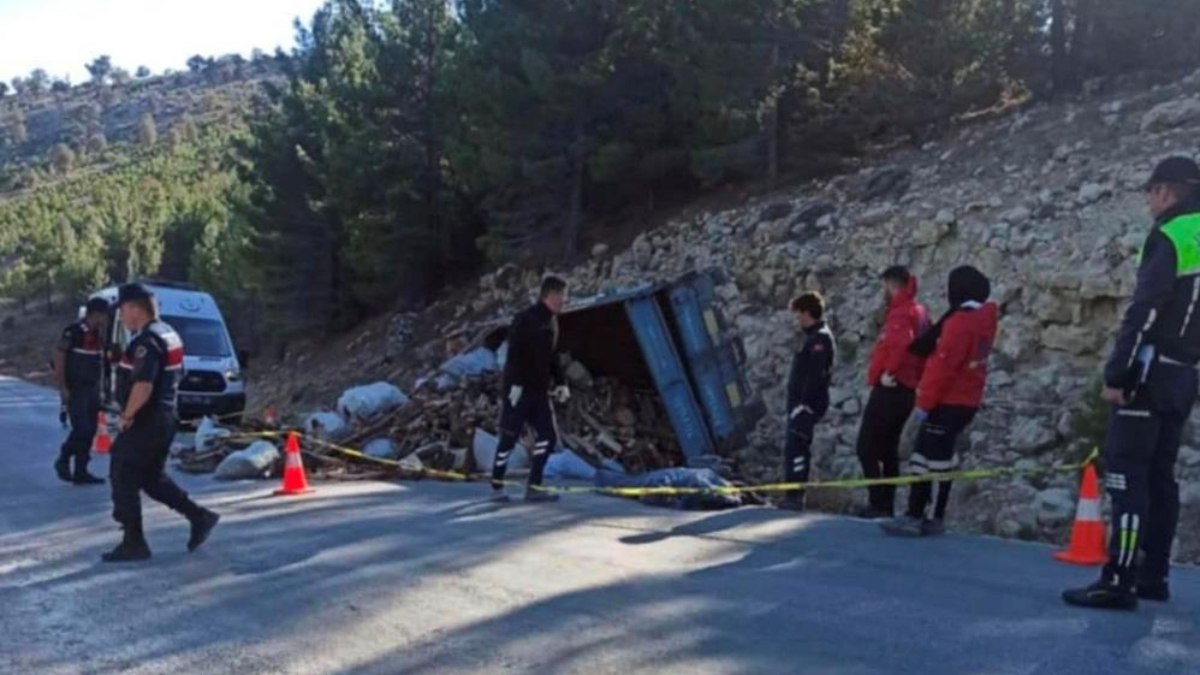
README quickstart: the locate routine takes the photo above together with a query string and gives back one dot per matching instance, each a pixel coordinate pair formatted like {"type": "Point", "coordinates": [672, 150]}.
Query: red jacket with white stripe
{"type": "Point", "coordinates": [957, 372]}
{"type": "Point", "coordinates": [906, 319]}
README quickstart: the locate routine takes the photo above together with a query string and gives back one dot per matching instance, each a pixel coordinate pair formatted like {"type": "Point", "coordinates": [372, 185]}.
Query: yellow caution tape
{"type": "Point", "coordinates": [841, 484]}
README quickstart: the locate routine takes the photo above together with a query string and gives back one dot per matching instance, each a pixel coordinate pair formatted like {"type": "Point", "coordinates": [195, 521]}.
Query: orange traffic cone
{"type": "Point", "coordinates": [270, 418]}
{"type": "Point", "coordinates": [294, 480]}
{"type": "Point", "coordinates": [1087, 536]}
{"type": "Point", "coordinates": [102, 443]}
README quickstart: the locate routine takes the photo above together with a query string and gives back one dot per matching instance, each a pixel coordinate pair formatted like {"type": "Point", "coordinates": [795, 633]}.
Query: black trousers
{"type": "Point", "coordinates": [534, 410]}
{"type": "Point", "coordinates": [934, 454]}
{"type": "Point", "coordinates": [888, 410]}
{"type": "Point", "coordinates": [1140, 451]}
{"type": "Point", "coordinates": [83, 410]}
{"type": "Point", "coordinates": [797, 449]}
{"type": "Point", "coordinates": [139, 458]}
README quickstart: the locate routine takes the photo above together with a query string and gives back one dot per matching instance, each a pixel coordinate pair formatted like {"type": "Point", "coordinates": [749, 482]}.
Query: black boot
{"type": "Point", "coordinates": [62, 467]}
{"type": "Point", "coordinates": [1104, 594]}
{"type": "Point", "coordinates": [131, 549]}
{"type": "Point", "coordinates": [202, 526]}
{"type": "Point", "coordinates": [1155, 590]}
{"type": "Point", "coordinates": [86, 478]}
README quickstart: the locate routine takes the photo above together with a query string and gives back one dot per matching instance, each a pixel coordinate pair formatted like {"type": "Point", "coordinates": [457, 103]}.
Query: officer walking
{"type": "Point", "coordinates": [1151, 380]}
{"type": "Point", "coordinates": [152, 366]}
{"type": "Point", "coordinates": [77, 374]}
{"type": "Point", "coordinates": [807, 393]}
{"type": "Point", "coordinates": [532, 368]}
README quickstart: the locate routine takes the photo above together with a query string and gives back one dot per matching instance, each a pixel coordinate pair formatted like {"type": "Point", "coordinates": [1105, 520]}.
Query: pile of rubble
{"type": "Point", "coordinates": [438, 427]}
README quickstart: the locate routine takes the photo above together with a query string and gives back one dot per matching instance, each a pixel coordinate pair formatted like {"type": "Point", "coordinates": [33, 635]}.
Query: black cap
{"type": "Point", "coordinates": [1181, 170]}
{"type": "Point", "coordinates": [97, 306]}
{"type": "Point", "coordinates": [131, 292]}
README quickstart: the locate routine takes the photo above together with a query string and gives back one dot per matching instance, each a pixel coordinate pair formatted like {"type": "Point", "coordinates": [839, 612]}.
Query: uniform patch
{"type": "Point", "coordinates": [818, 347]}
{"type": "Point", "coordinates": [140, 353]}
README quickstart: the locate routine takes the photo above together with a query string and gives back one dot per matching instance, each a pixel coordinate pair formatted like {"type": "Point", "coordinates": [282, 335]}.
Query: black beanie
{"type": "Point", "coordinates": [968, 284]}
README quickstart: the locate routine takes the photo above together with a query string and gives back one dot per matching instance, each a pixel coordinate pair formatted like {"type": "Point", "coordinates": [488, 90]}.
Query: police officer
{"type": "Point", "coordinates": [531, 370]}
{"type": "Point", "coordinates": [77, 374]}
{"type": "Point", "coordinates": [1151, 381]}
{"type": "Point", "coordinates": [807, 393]}
{"type": "Point", "coordinates": [152, 366]}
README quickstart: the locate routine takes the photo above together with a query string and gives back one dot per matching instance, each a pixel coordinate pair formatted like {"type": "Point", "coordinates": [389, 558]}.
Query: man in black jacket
{"type": "Point", "coordinates": [78, 360]}
{"type": "Point", "coordinates": [807, 392]}
{"type": "Point", "coordinates": [1151, 382]}
{"type": "Point", "coordinates": [531, 370]}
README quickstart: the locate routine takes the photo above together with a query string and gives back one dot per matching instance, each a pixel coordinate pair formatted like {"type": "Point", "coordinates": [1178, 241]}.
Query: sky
{"type": "Point", "coordinates": [63, 35]}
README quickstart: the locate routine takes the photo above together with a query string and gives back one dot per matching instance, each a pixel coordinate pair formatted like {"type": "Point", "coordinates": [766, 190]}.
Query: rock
{"type": "Point", "coordinates": [1079, 340]}
{"type": "Point", "coordinates": [1030, 435]}
{"type": "Point", "coordinates": [929, 233]}
{"type": "Point", "coordinates": [775, 212]}
{"type": "Point", "coordinates": [852, 406]}
{"type": "Point", "coordinates": [1091, 193]}
{"type": "Point", "coordinates": [1054, 506]}
{"type": "Point", "coordinates": [599, 250]}
{"type": "Point", "coordinates": [1171, 114]}
{"type": "Point", "coordinates": [876, 216]}
{"type": "Point", "coordinates": [815, 213]}
{"type": "Point", "coordinates": [577, 374]}
{"type": "Point", "coordinates": [945, 218]}
{"type": "Point", "coordinates": [1063, 152]}
{"type": "Point", "coordinates": [889, 183]}
{"type": "Point", "coordinates": [1017, 216]}
{"type": "Point", "coordinates": [1189, 456]}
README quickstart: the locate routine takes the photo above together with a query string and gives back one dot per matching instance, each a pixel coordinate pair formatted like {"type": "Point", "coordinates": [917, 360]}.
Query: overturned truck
{"type": "Point", "coordinates": [657, 373]}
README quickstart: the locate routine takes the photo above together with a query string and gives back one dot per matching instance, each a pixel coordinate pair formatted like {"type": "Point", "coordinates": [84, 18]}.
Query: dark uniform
{"type": "Point", "coordinates": [808, 401]}
{"type": "Point", "coordinates": [83, 347]}
{"type": "Point", "coordinates": [530, 371]}
{"type": "Point", "coordinates": [139, 454]}
{"type": "Point", "coordinates": [1154, 362]}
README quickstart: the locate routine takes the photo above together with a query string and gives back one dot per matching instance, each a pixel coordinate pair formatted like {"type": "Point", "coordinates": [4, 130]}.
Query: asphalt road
{"type": "Point", "coordinates": [426, 578]}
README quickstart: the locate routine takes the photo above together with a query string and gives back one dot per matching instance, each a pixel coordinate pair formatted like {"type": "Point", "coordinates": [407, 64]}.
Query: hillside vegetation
{"type": "Point", "coordinates": [403, 145]}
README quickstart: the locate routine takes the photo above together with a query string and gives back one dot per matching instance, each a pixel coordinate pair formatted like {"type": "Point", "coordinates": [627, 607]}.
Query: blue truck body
{"type": "Point", "coordinates": [673, 337]}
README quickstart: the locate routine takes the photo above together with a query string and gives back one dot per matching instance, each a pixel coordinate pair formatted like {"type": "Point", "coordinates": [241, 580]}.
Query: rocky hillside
{"type": "Point", "coordinates": [1045, 201]}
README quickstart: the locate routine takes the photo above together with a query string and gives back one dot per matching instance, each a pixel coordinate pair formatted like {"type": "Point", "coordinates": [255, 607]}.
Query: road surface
{"type": "Point", "coordinates": [426, 578]}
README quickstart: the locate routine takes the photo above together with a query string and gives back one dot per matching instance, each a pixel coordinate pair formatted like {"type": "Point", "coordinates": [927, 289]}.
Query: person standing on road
{"type": "Point", "coordinates": [77, 374]}
{"type": "Point", "coordinates": [153, 366]}
{"type": "Point", "coordinates": [807, 393]}
{"type": "Point", "coordinates": [893, 375]}
{"type": "Point", "coordinates": [1150, 380]}
{"type": "Point", "coordinates": [949, 395]}
{"type": "Point", "coordinates": [532, 378]}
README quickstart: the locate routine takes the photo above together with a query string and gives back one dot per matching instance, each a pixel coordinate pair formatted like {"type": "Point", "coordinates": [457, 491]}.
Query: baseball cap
{"type": "Point", "coordinates": [1182, 170]}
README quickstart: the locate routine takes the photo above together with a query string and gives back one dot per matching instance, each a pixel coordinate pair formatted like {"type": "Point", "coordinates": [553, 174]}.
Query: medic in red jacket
{"type": "Point", "coordinates": [906, 319]}
{"type": "Point", "coordinates": [949, 395]}
{"type": "Point", "coordinates": [894, 373]}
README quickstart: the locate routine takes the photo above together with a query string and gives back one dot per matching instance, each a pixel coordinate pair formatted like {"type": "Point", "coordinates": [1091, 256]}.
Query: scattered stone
{"type": "Point", "coordinates": [1171, 114]}
{"type": "Point", "coordinates": [1091, 193]}
{"type": "Point", "coordinates": [1054, 506]}
{"type": "Point", "coordinates": [599, 250]}
{"type": "Point", "coordinates": [775, 212]}
{"type": "Point", "coordinates": [889, 183]}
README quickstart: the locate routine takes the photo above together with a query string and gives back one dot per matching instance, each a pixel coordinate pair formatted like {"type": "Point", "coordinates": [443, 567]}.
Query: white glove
{"type": "Point", "coordinates": [514, 395]}
{"type": "Point", "coordinates": [888, 380]}
{"type": "Point", "coordinates": [800, 410]}
{"type": "Point", "coordinates": [562, 394]}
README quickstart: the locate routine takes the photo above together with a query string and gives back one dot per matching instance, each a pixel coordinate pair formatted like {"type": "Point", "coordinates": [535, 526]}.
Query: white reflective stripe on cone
{"type": "Point", "coordinates": [1088, 510]}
